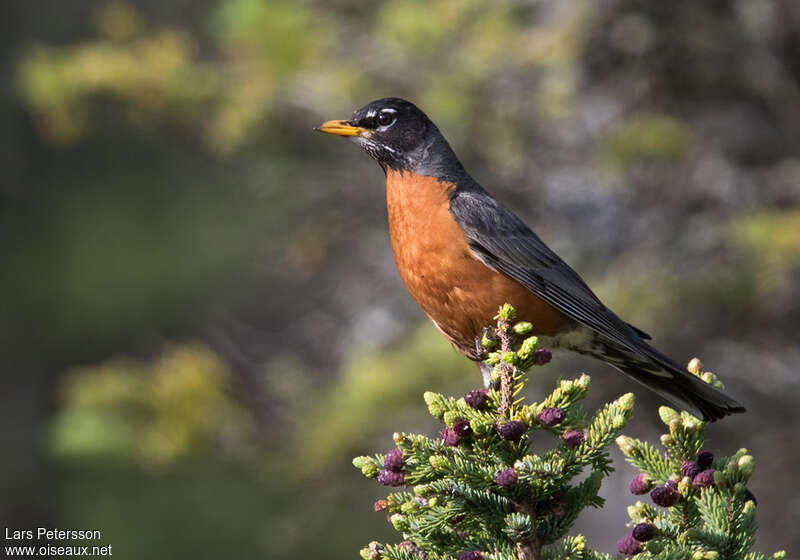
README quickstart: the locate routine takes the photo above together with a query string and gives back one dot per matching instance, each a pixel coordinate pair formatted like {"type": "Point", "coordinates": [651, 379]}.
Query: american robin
{"type": "Point", "coordinates": [462, 254]}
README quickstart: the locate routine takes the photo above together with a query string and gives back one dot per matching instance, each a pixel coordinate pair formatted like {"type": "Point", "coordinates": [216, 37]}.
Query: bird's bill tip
{"type": "Point", "coordinates": [340, 128]}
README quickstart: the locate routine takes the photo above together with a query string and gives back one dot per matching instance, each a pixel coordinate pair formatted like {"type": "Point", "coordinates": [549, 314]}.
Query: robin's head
{"type": "Point", "coordinates": [398, 136]}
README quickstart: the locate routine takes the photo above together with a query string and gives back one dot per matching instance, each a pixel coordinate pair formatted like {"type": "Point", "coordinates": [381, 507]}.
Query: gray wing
{"type": "Point", "coordinates": [505, 244]}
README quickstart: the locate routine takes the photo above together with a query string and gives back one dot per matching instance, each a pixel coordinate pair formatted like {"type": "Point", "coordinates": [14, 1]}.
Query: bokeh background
{"type": "Point", "coordinates": [201, 322]}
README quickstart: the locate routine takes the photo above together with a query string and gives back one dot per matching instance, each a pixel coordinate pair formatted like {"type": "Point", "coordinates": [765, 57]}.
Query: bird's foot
{"type": "Point", "coordinates": [486, 372]}
{"type": "Point", "coordinates": [480, 351]}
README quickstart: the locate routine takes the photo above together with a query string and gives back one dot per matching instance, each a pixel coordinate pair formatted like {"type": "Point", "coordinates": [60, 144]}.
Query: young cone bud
{"type": "Point", "coordinates": [704, 459]}
{"type": "Point", "coordinates": [667, 414]}
{"type": "Point", "coordinates": [704, 479]}
{"type": "Point", "coordinates": [381, 505]}
{"type": "Point", "coordinates": [394, 460]}
{"type": "Point", "coordinates": [629, 546]}
{"type": "Point", "coordinates": [746, 465]}
{"type": "Point", "coordinates": [513, 430]}
{"type": "Point", "coordinates": [478, 400]}
{"type": "Point", "coordinates": [640, 484]}
{"type": "Point", "coordinates": [369, 466]}
{"type": "Point", "coordinates": [462, 428]}
{"type": "Point", "coordinates": [644, 532]}
{"type": "Point", "coordinates": [391, 478]}
{"type": "Point", "coordinates": [690, 469]}
{"type": "Point", "coordinates": [522, 328]}
{"type": "Point", "coordinates": [626, 444]}
{"type": "Point", "coordinates": [574, 438]}
{"type": "Point", "coordinates": [542, 356]}
{"type": "Point", "coordinates": [665, 495]}
{"type": "Point", "coordinates": [695, 366]}
{"type": "Point", "coordinates": [399, 522]}
{"type": "Point", "coordinates": [551, 416]}
{"type": "Point", "coordinates": [506, 478]}
{"type": "Point", "coordinates": [449, 437]}
{"type": "Point", "coordinates": [506, 313]}
{"type": "Point", "coordinates": [509, 358]}
{"type": "Point", "coordinates": [434, 402]}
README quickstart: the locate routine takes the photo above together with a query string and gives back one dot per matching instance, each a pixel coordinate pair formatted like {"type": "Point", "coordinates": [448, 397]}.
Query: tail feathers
{"type": "Point", "coordinates": [660, 374]}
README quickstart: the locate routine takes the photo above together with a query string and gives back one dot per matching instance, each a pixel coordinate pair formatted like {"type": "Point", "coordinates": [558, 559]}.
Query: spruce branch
{"type": "Point", "coordinates": [704, 509]}
{"type": "Point", "coordinates": [507, 356]}
{"type": "Point", "coordinates": [477, 492]}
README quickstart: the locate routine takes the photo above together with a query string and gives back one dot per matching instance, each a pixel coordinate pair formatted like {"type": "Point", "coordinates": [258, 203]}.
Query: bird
{"type": "Point", "coordinates": [461, 254]}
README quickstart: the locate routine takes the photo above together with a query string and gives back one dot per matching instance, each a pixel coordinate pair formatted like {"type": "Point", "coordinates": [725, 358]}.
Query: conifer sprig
{"type": "Point", "coordinates": [477, 492]}
{"type": "Point", "coordinates": [704, 509]}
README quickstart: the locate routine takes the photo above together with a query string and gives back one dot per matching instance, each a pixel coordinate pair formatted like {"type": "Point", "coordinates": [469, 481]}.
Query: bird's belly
{"type": "Point", "coordinates": [457, 291]}
{"type": "Point", "coordinates": [462, 298]}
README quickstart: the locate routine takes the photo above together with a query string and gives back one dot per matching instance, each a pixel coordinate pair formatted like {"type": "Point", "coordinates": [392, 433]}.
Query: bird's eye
{"type": "Point", "coordinates": [385, 118]}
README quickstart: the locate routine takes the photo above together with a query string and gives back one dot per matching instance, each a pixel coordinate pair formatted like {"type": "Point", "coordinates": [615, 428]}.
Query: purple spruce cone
{"type": "Point", "coordinates": [704, 459]}
{"type": "Point", "coordinates": [462, 428]}
{"type": "Point", "coordinates": [573, 438]}
{"type": "Point", "coordinates": [394, 460]}
{"type": "Point", "coordinates": [690, 469]}
{"type": "Point", "coordinates": [542, 357]}
{"type": "Point", "coordinates": [629, 546]}
{"type": "Point", "coordinates": [640, 484]}
{"type": "Point", "coordinates": [704, 479]}
{"type": "Point", "coordinates": [391, 478]}
{"type": "Point", "coordinates": [551, 416]}
{"type": "Point", "coordinates": [477, 399]}
{"type": "Point", "coordinates": [643, 532]}
{"type": "Point", "coordinates": [506, 478]}
{"type": "Point", "coordinates": [665, 495]}
{"type": "Point", "coordinates": [513, 430]}
{"type": "Point", "coordinates": [450, 437]}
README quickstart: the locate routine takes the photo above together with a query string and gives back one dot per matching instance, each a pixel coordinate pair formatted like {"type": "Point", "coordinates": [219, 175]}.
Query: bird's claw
{"type": "Point", "coordinates": [480, 351]}
{"type": "Point", "coordinates": [486, 372]}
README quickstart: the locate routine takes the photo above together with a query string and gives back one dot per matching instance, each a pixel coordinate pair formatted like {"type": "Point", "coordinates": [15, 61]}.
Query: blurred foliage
{"type": "Point", "coordinates": [163, 199]}
{"type": "Point", "coordinates": [155, 72]}
{"type": "Point", "coordinates": [151, 414]}
{"type": "Point", "coordinates": [772, 238]}
{"type": "Point", "coordinates": [647, 137]}
{"type": "Point", "coordinates": [158, 72]}
{"type": "Point", "coordinates": [264, 47]}
{"type": "Point", "coordinates": [374, 390]}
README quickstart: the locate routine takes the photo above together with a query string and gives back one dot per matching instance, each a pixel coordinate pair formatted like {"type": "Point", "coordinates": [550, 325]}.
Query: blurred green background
{"type": "Point", "coordinates": [201, 321]}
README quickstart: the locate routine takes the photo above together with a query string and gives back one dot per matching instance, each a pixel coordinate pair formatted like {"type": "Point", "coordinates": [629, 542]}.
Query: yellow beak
{"type": "Point", "coordinates": [341, 128]}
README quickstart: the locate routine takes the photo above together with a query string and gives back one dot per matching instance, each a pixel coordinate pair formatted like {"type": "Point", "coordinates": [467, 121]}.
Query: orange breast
{"type": "Point", "coordinates": [458, 292]}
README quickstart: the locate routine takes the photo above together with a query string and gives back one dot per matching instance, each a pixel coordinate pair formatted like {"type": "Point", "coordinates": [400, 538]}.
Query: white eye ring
{"type": "Point", "coordinates": [386, 117]}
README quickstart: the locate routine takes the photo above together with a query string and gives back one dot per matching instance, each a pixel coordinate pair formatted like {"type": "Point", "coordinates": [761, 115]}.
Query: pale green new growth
{"type": "Point", "coordinates": [711, 520]}
{"type": "Point", "coordinates": [453, 502]}
{"type": "Point", "coordinates": [478, 492]}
